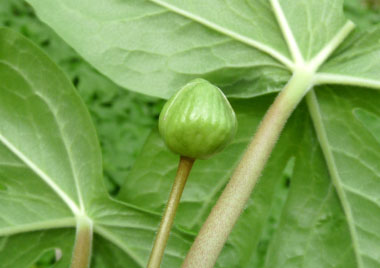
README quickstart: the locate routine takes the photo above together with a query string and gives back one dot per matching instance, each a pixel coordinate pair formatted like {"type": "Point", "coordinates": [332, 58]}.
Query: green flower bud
{"type": "Point", "coordinates": [198, 121]}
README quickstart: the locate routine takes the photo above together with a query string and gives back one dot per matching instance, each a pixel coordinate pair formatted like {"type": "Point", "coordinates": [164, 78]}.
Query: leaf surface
{"type": "Point", "coordinates": [238, 46]}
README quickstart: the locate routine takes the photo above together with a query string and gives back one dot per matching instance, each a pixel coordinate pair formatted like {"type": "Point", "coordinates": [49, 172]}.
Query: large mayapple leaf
{"type": "Point", "coordinates": [50, 171]}
{"type": "Point", "coordinates": [155, 47]}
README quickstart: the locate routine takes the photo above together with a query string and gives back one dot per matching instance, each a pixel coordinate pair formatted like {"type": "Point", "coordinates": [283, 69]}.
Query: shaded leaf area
{"type": "Point", "coordinates": [51, 171]}
{"type": "Point", "coordinates": [364, 13]}
{"type": "Point", "coordinates": [122, 119]}
{"type": "Point", "coordinates": [24, 250]}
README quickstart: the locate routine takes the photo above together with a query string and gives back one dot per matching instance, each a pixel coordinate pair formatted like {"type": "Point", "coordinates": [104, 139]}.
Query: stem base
{"type": "Point", "coordinates": [83, 244]}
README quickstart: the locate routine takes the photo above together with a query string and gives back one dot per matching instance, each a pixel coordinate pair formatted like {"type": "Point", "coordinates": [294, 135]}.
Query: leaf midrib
{"type": "Point", "coordinates": [38, 226]}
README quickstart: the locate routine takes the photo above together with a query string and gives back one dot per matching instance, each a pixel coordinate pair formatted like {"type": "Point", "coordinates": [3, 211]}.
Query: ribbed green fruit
{"type": "Point", "coordinates": [198, 121]}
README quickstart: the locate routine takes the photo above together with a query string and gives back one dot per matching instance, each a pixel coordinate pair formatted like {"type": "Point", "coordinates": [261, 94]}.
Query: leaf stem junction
{"type": "Point", "coordinates": [81, 257]}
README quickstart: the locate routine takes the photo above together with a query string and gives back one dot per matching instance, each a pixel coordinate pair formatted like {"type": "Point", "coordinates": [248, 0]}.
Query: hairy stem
{"type": "Point", "coordinates": [215, 231]}
{"type": "Point", "coordinates": [184, 167]}
{"type": "Point", "coordinates": [83, 244]}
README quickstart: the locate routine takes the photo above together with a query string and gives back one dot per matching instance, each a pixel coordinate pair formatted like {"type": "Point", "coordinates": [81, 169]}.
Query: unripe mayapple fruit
{"type": "Point", "coordinates": [198, 121]}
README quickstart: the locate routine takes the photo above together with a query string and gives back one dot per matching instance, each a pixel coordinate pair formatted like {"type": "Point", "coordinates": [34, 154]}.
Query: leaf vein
{"type": "Point", "coordinates": [243, 39]}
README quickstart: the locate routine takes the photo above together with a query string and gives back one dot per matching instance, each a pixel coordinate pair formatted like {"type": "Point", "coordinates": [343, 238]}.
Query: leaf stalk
{"type": "Point", "coordinates": [81, 257]}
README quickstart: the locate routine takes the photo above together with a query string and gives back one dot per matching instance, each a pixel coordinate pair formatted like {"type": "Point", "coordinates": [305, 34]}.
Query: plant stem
{"type": "Point", "coordinates": [183, 171]}
{"type": "Point", "coordinates": [83, 244]}
{"type": "Point", "coordinates": [214, 232]}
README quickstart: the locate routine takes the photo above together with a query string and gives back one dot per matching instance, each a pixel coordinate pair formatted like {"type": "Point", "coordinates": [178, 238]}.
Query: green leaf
{"type": "Point", "coordinates": [50, 171]}
{"type": "Point", "coordinates": [243, 51]}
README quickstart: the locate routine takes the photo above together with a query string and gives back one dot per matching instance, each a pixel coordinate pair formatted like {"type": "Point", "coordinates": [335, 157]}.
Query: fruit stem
{"type": "Point", "coordinates": [183, 171]}
{"type": "Point", "coordinates": [83, 243]}
{"type": "Point", "coordinates": [215, 231]}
